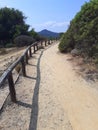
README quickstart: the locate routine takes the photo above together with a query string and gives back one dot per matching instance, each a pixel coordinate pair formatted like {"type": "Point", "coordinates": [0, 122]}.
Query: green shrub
{"type": "Point", "coordinates": [67, 42]}
{"type": "Point", "coordinates": [63, 46]}
{"type": "Point", "coordinates": [23, 40]}
{"type": "Point", "coordinates": [9, 45]}
{"type": "Point", "coordinates": [83, 30]}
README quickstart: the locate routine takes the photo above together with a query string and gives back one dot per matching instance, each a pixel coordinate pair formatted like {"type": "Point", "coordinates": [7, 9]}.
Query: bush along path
{"type": "Point", "coordinates": [61, 99]}
{"type": "Point", "coordinates": [82, 34]}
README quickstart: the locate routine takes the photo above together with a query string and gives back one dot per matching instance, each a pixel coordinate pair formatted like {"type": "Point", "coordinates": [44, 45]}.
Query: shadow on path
{"type": "Point", "coordinates": [31, 65]}
{"type": "Point", "coordinates": [34, 112]}
{"type": "Point", "coordinates": [30, 77]}
{"type": "Point", "coordinates": [24, 104]}
{"type": "Point", "coordinates": [35, 107]}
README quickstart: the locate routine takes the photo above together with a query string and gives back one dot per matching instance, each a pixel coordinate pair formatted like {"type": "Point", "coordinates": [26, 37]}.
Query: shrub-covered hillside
{"type": "Point", "coordinates": [82, 33]}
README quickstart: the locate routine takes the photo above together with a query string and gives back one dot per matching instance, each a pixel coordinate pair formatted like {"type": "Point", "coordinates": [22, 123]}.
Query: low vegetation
{"type": "Point", "coordinates": [23, 40]}
{"type": "Point", "coordinates": [82, 33]}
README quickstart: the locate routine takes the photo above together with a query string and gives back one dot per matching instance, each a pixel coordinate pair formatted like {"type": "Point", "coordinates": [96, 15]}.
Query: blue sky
{"type": "Point", "coordinates": [54, 15]}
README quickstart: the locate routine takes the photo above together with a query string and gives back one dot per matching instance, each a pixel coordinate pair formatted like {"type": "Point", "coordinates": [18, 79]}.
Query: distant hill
{"type": "Point", "coordinates": [48, 34]}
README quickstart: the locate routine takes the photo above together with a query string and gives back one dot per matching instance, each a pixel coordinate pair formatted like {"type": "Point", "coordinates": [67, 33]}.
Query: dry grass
{"type": "Point", "coordinates": [85, 68]}
{"type": "Point", "coordinates": [3, 51]}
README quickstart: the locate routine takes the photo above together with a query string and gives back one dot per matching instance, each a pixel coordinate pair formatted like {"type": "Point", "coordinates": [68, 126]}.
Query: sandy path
{"type": "Point", "coordinates": [62, 100]}
{"type": "Point", "coordinates": [66, 101]}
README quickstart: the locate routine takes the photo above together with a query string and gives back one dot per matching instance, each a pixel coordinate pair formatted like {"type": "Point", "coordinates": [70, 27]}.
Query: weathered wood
{"type": "Point", "coordinates": [23, 67]}
{"type": "Point", "coordinates": [27, 57]}
{"type": "Point", "coordinates": [48, 42]}
{"type": "Point", "coordinates": [6, 73]}
{"type": "Point", "coordinates": [37, 47]}
{"type": "Point", "coordinates": [12, 88]}
{"type": "Point", "coordinates": [45, 43]}
{"type": "Point", "coordinates": [4, 77]}
{"type": "Point", "coordinates": [34, 49]}
{"type": "Point", "coordinates": [30, 53]}
{"type": "Point", "coordinates": [41, 43]}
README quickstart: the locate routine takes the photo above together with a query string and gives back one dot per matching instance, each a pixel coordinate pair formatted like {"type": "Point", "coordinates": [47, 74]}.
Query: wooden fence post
{"type": "Point", "coordinates": [23, 67]}
{"type": "Point", "coordinates": [30, 53]}
{"type": "Point", "coordinates": [37, 46]}
{"type": "Point", "coordinates": [12, 88]}
{"type": "Point", "coordinates": [41, 43]}
{"type": "Point", "coordinates": [48, 42]}
{"type": "Point", "coordinates": [34, 48]}
{"type": "Point", "coordinates": [45, 43]}
{"type": "Point", "coordinates": [27, 57]}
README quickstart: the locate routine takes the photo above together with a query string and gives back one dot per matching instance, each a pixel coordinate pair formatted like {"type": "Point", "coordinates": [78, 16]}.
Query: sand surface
{"type": "Point", "coordinates": [62, 100]}
{"type": "Point", "coordinates": [5, 61]}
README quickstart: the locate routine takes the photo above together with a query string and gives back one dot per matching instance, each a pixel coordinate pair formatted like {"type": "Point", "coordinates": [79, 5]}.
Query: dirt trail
{"type": "Point", "coordinates": [66, 101]}
{"type": "Point", "coordinates": [62, 100]}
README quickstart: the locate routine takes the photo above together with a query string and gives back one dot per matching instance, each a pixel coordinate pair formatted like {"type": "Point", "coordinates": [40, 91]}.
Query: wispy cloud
{"type": "Point", "coordinates": [52, 24]}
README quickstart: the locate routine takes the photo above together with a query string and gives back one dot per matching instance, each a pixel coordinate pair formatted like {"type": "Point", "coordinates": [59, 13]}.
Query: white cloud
{"type": "Point", "coordinates": [52, 24]}
{"type": "Point", "coordinates": [61, 24]}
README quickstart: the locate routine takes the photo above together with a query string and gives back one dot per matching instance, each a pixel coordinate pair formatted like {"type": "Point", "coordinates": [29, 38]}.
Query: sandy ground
{"type": "Point", "coordinates": [5, 61]}
{"type": "Point", "coordinates": [17, 116]}
{"type": "Point", "coordinates": [62, 100]}
{"type": "Point", "coordinates": [10, 57]}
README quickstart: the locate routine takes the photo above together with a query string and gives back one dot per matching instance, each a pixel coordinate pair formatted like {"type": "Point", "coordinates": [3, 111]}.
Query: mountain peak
{"type": "Point", "coordinates": [48, 34]}
{"type": "Point", "coordinates": [45, 30]}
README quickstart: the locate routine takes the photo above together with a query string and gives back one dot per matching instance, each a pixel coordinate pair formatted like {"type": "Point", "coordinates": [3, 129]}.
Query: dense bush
{"type": "Point", "coordinates": [66, 46]}
{"type": "Point", "coordinates": [23, 40]}
{"type": "Point", "coordinates": [35, 35]}
{"type": "Point", "coordinates": [8, 45]}
{"type": "Point", "coordinates": [83, 31]}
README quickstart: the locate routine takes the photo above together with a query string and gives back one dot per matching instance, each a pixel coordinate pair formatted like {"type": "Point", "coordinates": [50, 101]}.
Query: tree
{"type": "Point", "coordinates": [34, 34]}
{"type": "Point", "coordinates": [12, 24]}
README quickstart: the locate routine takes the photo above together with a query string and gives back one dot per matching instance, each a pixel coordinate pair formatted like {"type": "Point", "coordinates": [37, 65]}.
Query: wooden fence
{"type": "Point", "coordinates": [23, 60]}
